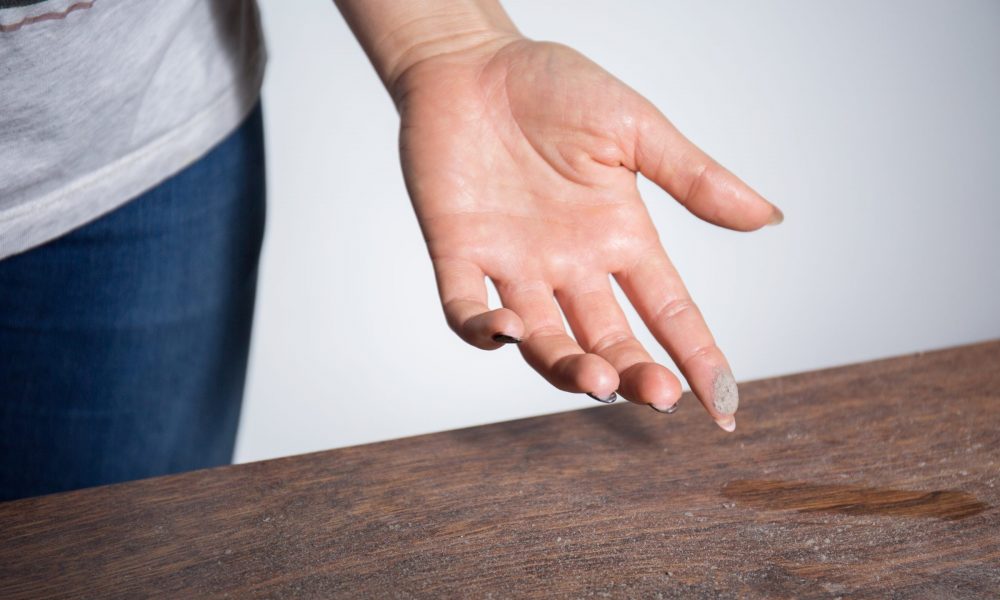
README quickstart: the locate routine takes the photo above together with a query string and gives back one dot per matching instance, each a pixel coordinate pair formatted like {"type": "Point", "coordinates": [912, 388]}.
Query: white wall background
{"type": "Point", "coordinates": [874, 125]}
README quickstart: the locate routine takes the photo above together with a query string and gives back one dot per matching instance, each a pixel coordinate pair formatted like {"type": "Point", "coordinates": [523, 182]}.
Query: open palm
{"type": "Point", "coordinates": [521, 161]}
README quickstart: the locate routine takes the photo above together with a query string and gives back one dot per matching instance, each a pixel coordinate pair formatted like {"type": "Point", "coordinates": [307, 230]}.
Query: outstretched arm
{"type": "Point", "coordinates": [520, 158]}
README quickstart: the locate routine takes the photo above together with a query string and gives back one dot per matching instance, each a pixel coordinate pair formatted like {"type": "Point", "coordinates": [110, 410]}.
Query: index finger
{"type": "Point", "coordinates": [655, 289]}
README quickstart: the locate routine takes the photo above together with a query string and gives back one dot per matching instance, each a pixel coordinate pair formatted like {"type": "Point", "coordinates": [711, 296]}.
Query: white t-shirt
{"type": "Point", "coordinates": [102, 100]}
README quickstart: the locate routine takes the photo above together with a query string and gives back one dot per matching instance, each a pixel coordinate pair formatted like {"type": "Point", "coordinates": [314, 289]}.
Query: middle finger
{"type": "Point", "coordinates": [601, 327]}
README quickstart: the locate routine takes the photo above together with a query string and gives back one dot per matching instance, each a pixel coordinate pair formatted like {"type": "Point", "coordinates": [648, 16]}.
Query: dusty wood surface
{"type": "Point", "coordinates": [877, 480]}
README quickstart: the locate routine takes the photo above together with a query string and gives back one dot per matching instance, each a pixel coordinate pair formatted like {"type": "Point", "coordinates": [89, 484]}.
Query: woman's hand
{"type": "Point", "coordinates": [521, 158]}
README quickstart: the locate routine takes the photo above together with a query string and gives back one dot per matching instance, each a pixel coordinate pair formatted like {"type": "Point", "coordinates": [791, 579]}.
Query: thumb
{"type": "Point", "coordinates": [694, 179]}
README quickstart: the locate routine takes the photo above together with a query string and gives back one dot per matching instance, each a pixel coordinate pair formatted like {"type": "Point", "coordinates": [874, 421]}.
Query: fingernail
{"type": "Point", "coordinates": [667, 411]}
{"type": "Point", "coordinates": [777, 216]}
{"type": "Point", "coordinates": [727, 423]}
{"type": "Point", "coordinates": [608, 400]}
{"type": "Point", "coordinates": [725, 394]}
{"type": "Point", "coordinates": [505, 339]}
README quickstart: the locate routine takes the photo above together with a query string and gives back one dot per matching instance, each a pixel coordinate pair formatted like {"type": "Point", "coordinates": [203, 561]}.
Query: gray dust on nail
{"type": "Point", "coordinates": [725, 395]}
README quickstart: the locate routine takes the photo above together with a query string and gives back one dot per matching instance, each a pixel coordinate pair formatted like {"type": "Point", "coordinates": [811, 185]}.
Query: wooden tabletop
{"type": "Point", "coordinates": [874, 480]}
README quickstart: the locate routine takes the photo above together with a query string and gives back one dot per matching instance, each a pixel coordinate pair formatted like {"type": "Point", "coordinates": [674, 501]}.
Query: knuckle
{"type": "Point", "coordinates": [674, 308]}
{"type": "Point", "coordinates": [697, 182]}
{"type": "Point", "coordinates": [545, 332]}
{"type": "Point", "coordinates": [708, 351]}
{"type": "Point", "coordinates": [610, 341]}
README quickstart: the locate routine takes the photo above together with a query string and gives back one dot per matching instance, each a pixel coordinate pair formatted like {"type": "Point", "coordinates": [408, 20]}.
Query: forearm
{"type": "Point", "coordinates": [398, 34]}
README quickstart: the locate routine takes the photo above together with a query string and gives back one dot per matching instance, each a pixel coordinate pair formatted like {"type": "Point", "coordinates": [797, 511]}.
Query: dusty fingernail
{"type": "Point", "coordinates": [727, 423]}
{"type": "Point", "coordinates": [505, 339]}
{"type": "Point", "coordinates": [725, 395]}
{"type": "Point", "coordinates": [608, 400]}
{"type": "Point", "coordinates": [669, 410]}
{"type": "Point", "coordinates": [777, 217]}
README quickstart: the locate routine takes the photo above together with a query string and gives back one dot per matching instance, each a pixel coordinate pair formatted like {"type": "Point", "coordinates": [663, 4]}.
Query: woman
{"type": "Point", "coordinates": [132, 208]}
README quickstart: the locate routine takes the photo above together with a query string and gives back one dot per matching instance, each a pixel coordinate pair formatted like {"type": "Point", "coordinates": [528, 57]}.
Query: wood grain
{"type": "Point", "coordinates": [874, 480]}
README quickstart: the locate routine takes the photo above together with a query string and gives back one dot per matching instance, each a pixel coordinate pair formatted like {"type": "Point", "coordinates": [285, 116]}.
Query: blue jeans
{"type": "Point", "coordinates": [123, 344]}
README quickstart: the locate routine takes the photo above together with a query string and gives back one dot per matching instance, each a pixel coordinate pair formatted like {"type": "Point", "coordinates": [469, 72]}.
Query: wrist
{"type": "Point", "coordinates": [399, 35]}
{"type": "Point", "coordinates": [467, 42]}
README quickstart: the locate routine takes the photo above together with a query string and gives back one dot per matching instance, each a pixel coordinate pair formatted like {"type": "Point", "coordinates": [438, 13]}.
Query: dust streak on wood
{"type": "Point", "coordinates": [853, 500]}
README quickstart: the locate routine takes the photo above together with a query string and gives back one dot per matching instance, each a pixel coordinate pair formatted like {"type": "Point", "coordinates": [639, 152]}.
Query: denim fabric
{"type": "Point", "coordinates": [123, 345]}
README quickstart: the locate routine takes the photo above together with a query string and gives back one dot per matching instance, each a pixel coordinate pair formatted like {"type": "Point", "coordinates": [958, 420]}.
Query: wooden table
{"type": "Point", "coordinates": [874, 480]}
